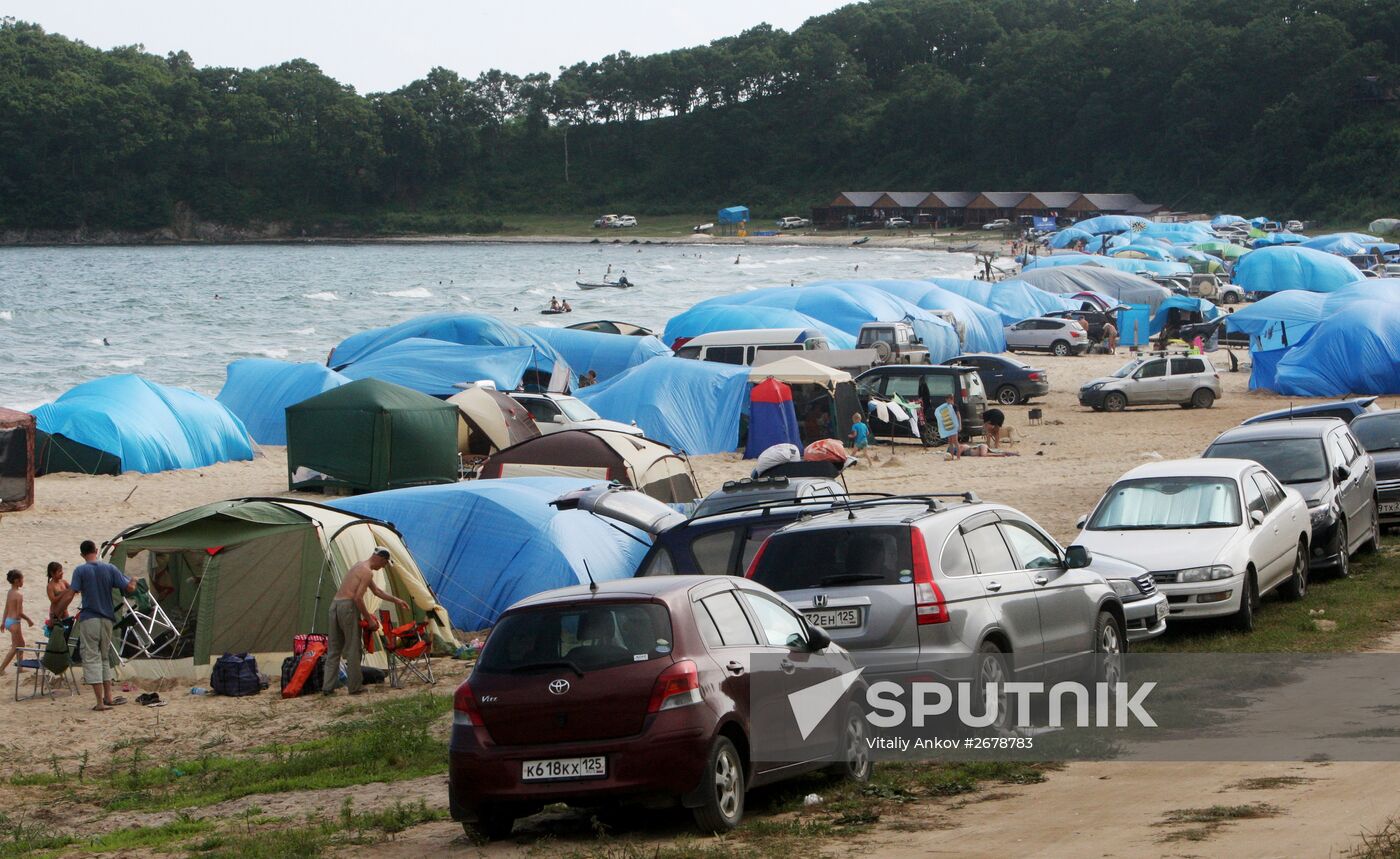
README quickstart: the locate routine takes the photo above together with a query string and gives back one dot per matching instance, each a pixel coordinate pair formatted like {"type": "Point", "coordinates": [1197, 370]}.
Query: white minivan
{"type": "Point", "coordinates": [758, 345]}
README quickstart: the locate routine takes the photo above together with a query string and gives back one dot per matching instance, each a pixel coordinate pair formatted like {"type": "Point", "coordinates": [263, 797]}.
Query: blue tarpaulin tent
{"type": "Point", "coordinates": [693, 406]}
{"type": "Point", "coordinates": [439, 369]}
{"type": "Point", "coordinates": [1186, 233]}
{"type": "Point", "coordinates": [1152, 252]}
{"type": "Point", "coordinates": [1111, 224]}
{"type": "Point", "coordinates": [608, 354]}
{"type": "Point", "coordinates": [772, 418]}
{"type": "Point", "coordinates": [1187, 303]}
{"type": "Point", "coordinates": [1131, 266]}
{"type": "Point", "coordinates": [258, 391]}
{"type": "Point", "coordinates": [1282, 268]}
{"type": "Point", "coordinates": [1353, 350]}
{"type": "Point", "coordinates": [467, 329]}
{"type": "Point", "coordinates": [983, 329]}
{"type": "Point", "coordinates": [848, 306]}
{"type": "Point", "coordinates": [484, 545]}
{"type": "Point", "coordinates": [1227, 220]}
{"type": "Point", "coordinates": [1013, 299]}
{"type": "Point", "coordinates": [1282, 237]}
{"type": "Point", "coordinates": [732, 215]}
{"type": "Point", "coordinates": [1068, 236]}
{"type": "Point", "coordinates": [1348, 244]}
{"type": "Point", "coordinates": [707, 318]}
{"type": "Point", "coordinates": [140, 426]}
{"type": "Point", "coordinates": [1116, 285]}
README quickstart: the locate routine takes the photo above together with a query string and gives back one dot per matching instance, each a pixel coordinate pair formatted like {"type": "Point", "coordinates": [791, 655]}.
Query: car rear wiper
{"type": "Point", "coordinates": [557, 663]}
{"type": "Point", "coordinates": [848, 578]}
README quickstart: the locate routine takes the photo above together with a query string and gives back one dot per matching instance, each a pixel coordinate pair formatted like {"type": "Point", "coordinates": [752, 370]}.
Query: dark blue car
{"type": "Point", "coordinates": [1344, 409]}
{"type": "Point", "coordinates": [1006, 380]}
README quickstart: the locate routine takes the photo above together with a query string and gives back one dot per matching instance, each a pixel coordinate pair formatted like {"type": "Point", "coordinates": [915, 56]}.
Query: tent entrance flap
{"type": "Point", "coordinates": [255, 619]}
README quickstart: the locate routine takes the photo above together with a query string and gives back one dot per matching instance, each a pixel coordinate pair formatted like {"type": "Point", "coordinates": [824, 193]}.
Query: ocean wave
{"type": "Point", "coordinates": [278, 354]}
{"type": "Point", "coordinates": [322, 296]}
{"type": "Point", "coordinates": [304, 332]}
{"type": "Point", "coordinates": [6, 315]}
{"type": "Point", "coordinates": [123, 363]}
{"type": "Point", "coordinates": [466, 299]}
{"type": "Point", "coordinates": [415, 292]}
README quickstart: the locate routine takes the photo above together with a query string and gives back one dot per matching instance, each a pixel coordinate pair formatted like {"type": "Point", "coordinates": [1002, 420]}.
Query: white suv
{"type": "Point", "coordinates": [793, 223]}
{"type": "Point", "coordinates": [1189, 381]}
{"type": "Point", "coordinates": [555, 412]}
{"type": "Point", "coordinates": [998, 224]}
{"type": "Point", "coordinates": [623, 221]}
{"type": "Point", "coordinates": [1044, 334]}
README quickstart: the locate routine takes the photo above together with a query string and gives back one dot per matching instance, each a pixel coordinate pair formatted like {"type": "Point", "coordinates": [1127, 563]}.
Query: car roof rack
{"type": "Point", "coordinates": [826, 502]}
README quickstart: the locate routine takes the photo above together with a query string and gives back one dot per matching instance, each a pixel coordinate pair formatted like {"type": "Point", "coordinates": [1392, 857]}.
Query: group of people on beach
{"type": "Point", "coordinates": [948, 424]}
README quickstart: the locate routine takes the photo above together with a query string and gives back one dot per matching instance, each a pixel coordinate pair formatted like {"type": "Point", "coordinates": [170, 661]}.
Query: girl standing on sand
{"type": "Point", "coordinates": [57, 588]}
{"type": "Point", "coordinates": [14, 613]}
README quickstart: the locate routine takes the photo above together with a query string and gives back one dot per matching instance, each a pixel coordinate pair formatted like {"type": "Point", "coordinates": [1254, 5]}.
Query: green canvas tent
{"type": "Point", "coordinates": [371, 435]}
{"type": "Point", "coordinates": [1224, 250]}
{"type": "Point", "coordinates": [247, 575]}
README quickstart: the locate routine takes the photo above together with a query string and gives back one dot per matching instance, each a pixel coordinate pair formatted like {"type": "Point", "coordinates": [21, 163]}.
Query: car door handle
{"type": "Point", "coordinates": [993, 586]}
{"type": "Point", "coordinates": [787, 666]}
{"type": "Point", "coordinates": [1040, 580]}
{"type": "Point", "coordinates": [735, 667]}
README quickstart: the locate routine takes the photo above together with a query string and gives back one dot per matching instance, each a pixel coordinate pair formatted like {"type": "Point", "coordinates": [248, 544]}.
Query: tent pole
{"type": "Point", "coordinates": [321, 577]}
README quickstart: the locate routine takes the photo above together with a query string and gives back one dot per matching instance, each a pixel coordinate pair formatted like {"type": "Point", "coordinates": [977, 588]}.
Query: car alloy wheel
{"type": "Point", "coordinates": [1244, 618]}
{"type": "Point", "coordinates": [1060, 348]}
{"type": "Point", "coordinates": [992, 669]}
{"type": "Point", "coordinates": [722, 804]}
{"type": "Point", "coordinates": [1115, 402]}
{"type": "Point", "coordinates": [1343, 550]}
{"type": "Point", "coordinates": [855, 751]}
{"type": "Point", "coordinates": [1007, 395]}
{"type": "Point", "coordinates": [1204, 398]}
{"type": "Point", "coordinates": [1374, 544]}
{"type": "Point", "coordinates": [1297, 585]}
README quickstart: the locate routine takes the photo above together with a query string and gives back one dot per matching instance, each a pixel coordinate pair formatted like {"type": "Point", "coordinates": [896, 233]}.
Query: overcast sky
{"type": "Point", "coordinates": [383, 45]}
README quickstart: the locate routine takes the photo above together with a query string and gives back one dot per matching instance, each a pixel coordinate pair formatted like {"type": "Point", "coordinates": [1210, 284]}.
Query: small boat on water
{"type": "Point", "coordinates": [862, 240]}
{"type": "Point", "coordinates": [553, 312]}
{"type": "Point", "coordinates": [622, 283]}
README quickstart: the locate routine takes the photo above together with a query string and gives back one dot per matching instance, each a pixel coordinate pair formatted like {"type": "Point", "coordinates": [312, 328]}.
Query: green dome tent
{"type": "Point", "coordinates": [371, 435]}
{"type": "Point", "coordinates": [247, 575]}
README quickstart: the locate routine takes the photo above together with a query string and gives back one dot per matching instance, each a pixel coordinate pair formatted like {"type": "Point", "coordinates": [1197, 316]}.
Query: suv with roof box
{"type": "Point", "coordinates": [913, 584]}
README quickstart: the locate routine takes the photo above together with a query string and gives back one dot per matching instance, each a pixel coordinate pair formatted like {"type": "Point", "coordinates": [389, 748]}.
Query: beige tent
{"type": "Point", "coordinates": [796, 370]}
{"type": "Point", "coordinates": [248, 575]}
{"type": "Point", "coordinates": [629, 459]}
{"type": "Point", "coordinates": [491, 421]}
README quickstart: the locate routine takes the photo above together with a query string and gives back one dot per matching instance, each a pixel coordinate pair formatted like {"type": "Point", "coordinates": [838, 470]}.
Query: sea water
{"type": "Point", "coordinates": [179, 315]}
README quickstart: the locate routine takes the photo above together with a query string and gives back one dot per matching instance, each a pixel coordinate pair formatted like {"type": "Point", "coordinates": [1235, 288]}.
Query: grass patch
{"type": "Point", "coordinates": [1270, 782]}
{"type": "Point", "coordinates": [1198, 824]}
{"type": "Point", "coordinates": [1365, 607]}
{"type": "Point", "coordinates": [20, 838]}
{"type": "Point", "coordinates": [1384, 844]}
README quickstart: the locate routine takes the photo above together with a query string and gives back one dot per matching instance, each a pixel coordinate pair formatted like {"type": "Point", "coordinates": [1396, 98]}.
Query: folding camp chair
{"type": "Point", "coordinates": [145, 629]}
{"type": "Point", "coordinates": [408, 647]}
{"type": "Point", "coordinates": [48, 666]}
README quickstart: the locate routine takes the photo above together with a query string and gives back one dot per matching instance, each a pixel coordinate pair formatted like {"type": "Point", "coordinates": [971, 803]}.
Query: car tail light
{"type": "Point", "coordinates": [1075, 332]}
{"type": "Point", "coordinates": [929, 605]}
{"type": "Point", "coordinates": [758, 556]}
{"type": "Point", "coordinates": [678, 686]}
{"type": "Point", "coordinates": [1034, 377]}
{"type": "Point", "coordinates": [464, 711]}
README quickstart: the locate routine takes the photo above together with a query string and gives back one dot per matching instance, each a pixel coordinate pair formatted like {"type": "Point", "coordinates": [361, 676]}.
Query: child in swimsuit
{"type": "Point", "coordinates": [14, 613]}
{"type": "Point", "coordinates": [57, 589]}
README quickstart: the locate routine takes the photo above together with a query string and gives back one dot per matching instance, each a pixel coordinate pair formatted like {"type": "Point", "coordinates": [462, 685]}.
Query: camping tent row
{"type": "Point", "coordinates": [249, 574]}
{"type": "Point", "coordinates": [956, 208]}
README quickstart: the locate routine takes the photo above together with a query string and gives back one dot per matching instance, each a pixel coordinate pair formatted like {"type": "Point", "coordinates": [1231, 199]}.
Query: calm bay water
{"type": "Point", "coordinates": [156, 306]}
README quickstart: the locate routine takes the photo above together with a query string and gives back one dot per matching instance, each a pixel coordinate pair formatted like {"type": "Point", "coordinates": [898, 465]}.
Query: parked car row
{"type": "Point", "coordinates": [616, 222]}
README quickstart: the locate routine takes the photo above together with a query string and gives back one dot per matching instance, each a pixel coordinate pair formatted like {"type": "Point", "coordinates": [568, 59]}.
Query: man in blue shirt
{"type": "Point", "coordinates": [96, 580]}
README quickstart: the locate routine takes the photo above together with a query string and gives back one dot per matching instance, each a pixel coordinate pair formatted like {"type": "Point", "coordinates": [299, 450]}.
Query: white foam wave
{"type": "Point", "coordinates": [322, 296]}
{"type": "Point", "coordinates": [415, 292]}
{"type": "Point", "coordinates": [279, 354]}
{"type": "Point", "coordinates": [7, 315]}
{"type": "Point", "coordinates": [123, 363]}
{"type": "Point", "coordinates": [303, 332]}
{"type": "Point", "coordinates": [466, 299]}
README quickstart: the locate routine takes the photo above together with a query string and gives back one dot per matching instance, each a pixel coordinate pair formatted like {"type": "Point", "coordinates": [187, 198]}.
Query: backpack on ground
{"type": "Point", "coordinates": [235, 675]}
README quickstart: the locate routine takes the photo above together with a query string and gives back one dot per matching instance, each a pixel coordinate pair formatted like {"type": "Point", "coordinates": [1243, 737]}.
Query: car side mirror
{"type": "Point", "coordinates": [1077, 558]}
{"type": "Point", "coordinates": [1340, 473]}
{"type": "Point", "coordinates": [1256, 516]}
{"type": "Point", "coordinates": [557, 419]}
{"type": "Point", "coordinates": [817, 638]}
{"type": "Point", "coordinates": [1081, 521]}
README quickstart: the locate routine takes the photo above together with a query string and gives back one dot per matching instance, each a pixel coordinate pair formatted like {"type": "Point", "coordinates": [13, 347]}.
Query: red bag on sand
{"type": "Point", "coordinates": [310, 656]}
{"type": "Point", "coordinates": [825, 450]}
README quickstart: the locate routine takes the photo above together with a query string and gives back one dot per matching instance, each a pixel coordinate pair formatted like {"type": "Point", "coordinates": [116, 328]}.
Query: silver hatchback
{"type": "Point", "coordinates": [912, 585]}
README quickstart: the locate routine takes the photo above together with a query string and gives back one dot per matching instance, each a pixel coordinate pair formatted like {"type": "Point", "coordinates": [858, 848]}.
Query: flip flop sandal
{"type": "Point", "coordinates": [116, 702]}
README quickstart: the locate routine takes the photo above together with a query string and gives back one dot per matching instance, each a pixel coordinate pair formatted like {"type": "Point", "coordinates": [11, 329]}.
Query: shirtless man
{"type": "Point", "coordinates": [347, 609]}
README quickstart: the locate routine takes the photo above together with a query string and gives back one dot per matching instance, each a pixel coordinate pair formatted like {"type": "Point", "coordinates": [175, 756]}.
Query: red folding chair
{"type": "Point", "coordinates": [408, 647]}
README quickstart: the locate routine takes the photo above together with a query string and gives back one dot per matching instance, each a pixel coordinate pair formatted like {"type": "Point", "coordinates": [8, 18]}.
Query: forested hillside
{"type": "Point", "coordinates": [1285, 106]}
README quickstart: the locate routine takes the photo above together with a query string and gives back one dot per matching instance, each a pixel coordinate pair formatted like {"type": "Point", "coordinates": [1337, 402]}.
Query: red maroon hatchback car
{"type": "Point", "coordinates": [638, 691]}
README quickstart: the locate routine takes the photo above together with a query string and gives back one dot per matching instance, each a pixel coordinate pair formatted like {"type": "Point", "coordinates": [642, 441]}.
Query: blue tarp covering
{"type": "Point", "coordinates": [1013, 300]}
{"type": "Point", "coordinates": [693, 406]}
{"type": "Point", "coordinates": [1207, 310]}
{"type": "Point", "coordinates": [707, 318]}
{"type": "Point", "coordinates": [1226, 220]}
{"type": "Point", "coordinates": [1354, 349]}
{"type": "Point", "coordinates": [1131, 266]}
{"type": "Point", "coordinates": [984, 328]}
{"type": "Point", "coordinates": [1119, 286]}
{"type": "Point", "coordinates": [732, 215]}
{"type": "Point", "coordinates": [258, 391]}
{"type": "Point", "coordinates": [847, 305]}
{"type": "Point", "coordinates": [1282, 237]}
{"type": "Point", "coordinates": [436, 367]}
{"type": "Point", "coordinates": [1281, 268]}
{"type": "Point", "coordinates": [148, 426]}
{"type": "Point", "coordinates": [1259, 221]}
{"type": "Point", "coordinates": [1348, 244]}
{"type": "Point", "coordinates": [1068, 236]}
{"type": "Point", "coordinates": [1185, 233]}
{"type": "Point", "coordinates": [467, 329]}
{"type": "Point", "coordinates": [609, 354]}
{"type": "Point", "coordinates": [486, 544]}
{"type": "Point", "coordinates": [1150, 251]}
{"type": "Point", "coordinates": [1110, 224]}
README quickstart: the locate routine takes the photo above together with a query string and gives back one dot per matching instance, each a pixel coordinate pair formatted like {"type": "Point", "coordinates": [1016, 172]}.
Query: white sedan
{"type": "Point", "coordinates": [1217, 534]}
{"type": "Point", "coordinates": [555, 412]}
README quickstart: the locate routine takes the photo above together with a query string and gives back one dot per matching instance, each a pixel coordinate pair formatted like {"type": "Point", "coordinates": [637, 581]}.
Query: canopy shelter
{"type": "Point", "coordinates": [1122, 287]}
{"type": "Point", "coordinates": [486, 544]}
{"type": "Point", "coordinates": [1013, 299]}
{"type": "Point", "coordinates": [693, 406]}
{"type": "Point", "coordinates": [547, 369]}
{"type": "Point", "coordinates": [1224, 250]}
{"type": "Point", "coordinates": [979, 328]}
{"type": "Point", "coordinates": [1350, 244]}
{"type": "Point", "coordinates": [16, 460]}
{"type": "Point", "coordinates": [258, 391]}
{"type": "Point", "coordinates": [1282, 237]}
{"type": "Point", "coordinates": [635, 461]}
{"type": "Point", "coordinates": [127, 423]}
{"type": "Point", "coordinates": [439, 368]}
{"type": "Point", "coordinates": [824, 399]}
{"type": "Point", "coordinates": [1278, 269]}
{"type": "Point", "coordinates": [706, 318]}
{"type": "Point", "coordinates": [772, 419]}
{"type": "Point", "coordinates": [491, 421]}
{"type": "Point", "coordinates": [732, 215]}
{"type": "Point", "coordinates": [608, 355]}
{"type": "Point", "coordinates": [371, 435]}
{"type": "Point", "coordinates": [249, 574]}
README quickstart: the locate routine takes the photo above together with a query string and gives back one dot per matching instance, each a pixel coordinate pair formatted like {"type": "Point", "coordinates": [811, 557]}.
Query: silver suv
{"type": "Point", "coordinates": [913, 584]}
{"type": "Point", "coordinates": [1189, 381]}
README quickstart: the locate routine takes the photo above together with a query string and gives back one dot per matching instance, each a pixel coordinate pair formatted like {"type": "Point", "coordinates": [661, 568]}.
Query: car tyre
{"type": "Point", "coordinates": [1114, 402]}
{"type": "Point", "coordinates": [1343, 568]}
{"type": "Point", "coordinates": [1230, 297]}
{"type": "Point", "coordinates": [494, 821]}
{"type": "Point", "coordinates": [1059, 348]}
{"type": "Point", "coordinates": [1007, 395]}
{"type": "Point", "coordinates": [1373, 545]}
{"type": "Point", "coordinates": [1203, 398]}
{"type": "Point", "coordinates": [1244, 618]}
{"type": "Point", "coordinates": [1297, 585]}
{"type": "Point", "coordinates": [722, 804]}
{"type": "Point", "coordinates": [991, 668]}
{"type": "Point", "coordinates": [853, 750]}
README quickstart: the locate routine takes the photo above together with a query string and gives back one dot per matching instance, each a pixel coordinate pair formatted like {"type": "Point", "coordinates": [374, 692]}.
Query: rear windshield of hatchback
{"type": "Point", "coordinates": [585, 638]}
{"type": "Point", "coordinates": [832, 557]}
